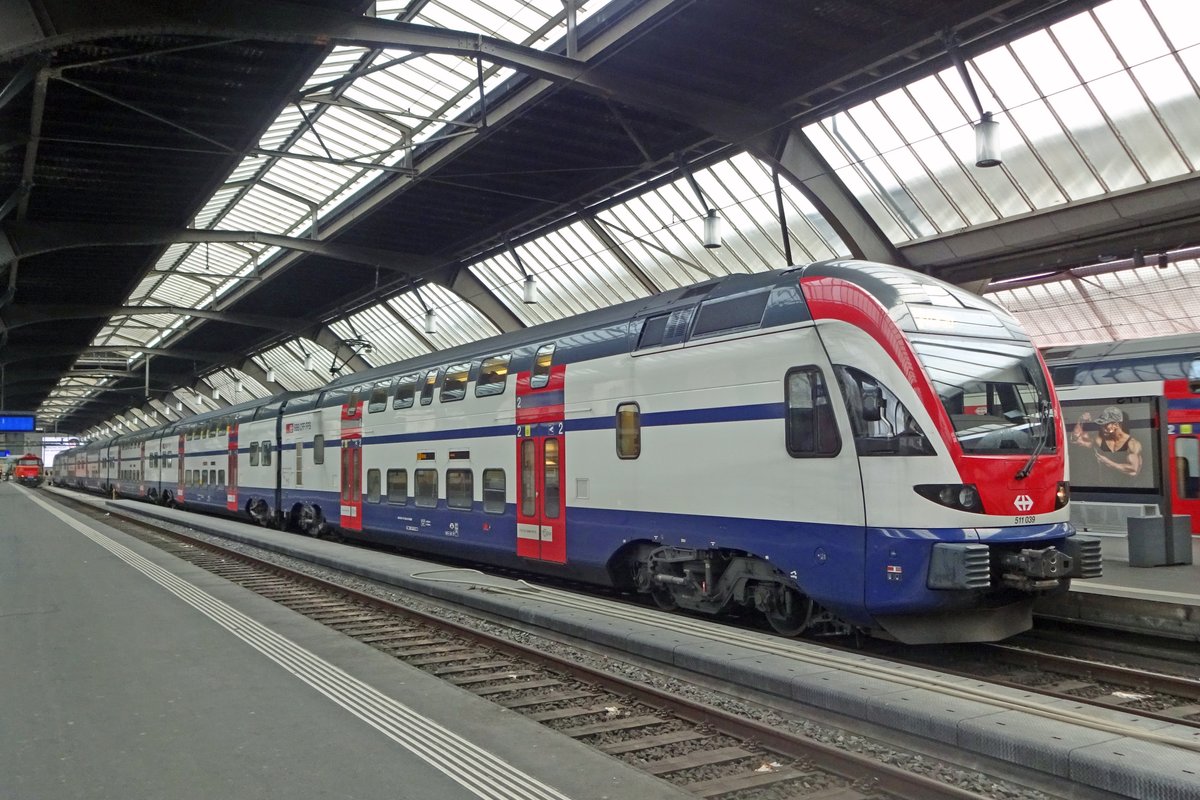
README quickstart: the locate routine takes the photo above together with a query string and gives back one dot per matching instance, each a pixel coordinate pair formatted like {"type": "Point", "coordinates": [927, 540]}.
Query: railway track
{"type": "Point", "coordinates": [1167, 698]}
{"type": "Point", "coordinates": [704, 751]}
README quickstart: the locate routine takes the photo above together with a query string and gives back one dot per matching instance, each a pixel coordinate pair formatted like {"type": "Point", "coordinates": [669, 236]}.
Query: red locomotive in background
{"type": "Point", "coordinates": [28, 470]}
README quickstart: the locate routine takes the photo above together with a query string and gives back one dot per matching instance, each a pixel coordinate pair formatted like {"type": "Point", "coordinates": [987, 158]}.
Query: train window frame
{"type": "Point", "coordinates": [220, 477]}
{"type": "Point", "coordinates": [318, 445]}
{"type": "Point", "coordinates": [880, 422]}
{"type": "Point", "coordinates": [394, 490]}
{"type": "Point", "coordinates": [454, 385]}
{"type": "Point", "coordinates": [429, 384]}
{"type": "Point", "coordinates": [818, 388]}
{"type": "Point", "coordinates": [374, 485]}
{"type": "Point", "coordinates": [625, 437]}
{"type": "Point", "coordinates": [490, 503]}
{"type": "Point", "coordinates": [265, 453]}
{"type": "Point", "coordinates": [406, 391]}
{"type": "Point", "coordinates": [731, 313]}
{"type": "Point", "coordinates": [425, 493]}
{"type": "Point", "coordinates": [379, 397]}
{"type": "Point", "coordinates": [486, 383]}
{"type": "Point", "coordinates": [543, 364]}
{"type": "Point", "coordinates": [254, 454]}
{"type": "Point", "coordinates": [460, 496]}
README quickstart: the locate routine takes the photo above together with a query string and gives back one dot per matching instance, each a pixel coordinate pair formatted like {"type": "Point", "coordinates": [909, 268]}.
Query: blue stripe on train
{"type": "Point", "coordinates": [827, 559]}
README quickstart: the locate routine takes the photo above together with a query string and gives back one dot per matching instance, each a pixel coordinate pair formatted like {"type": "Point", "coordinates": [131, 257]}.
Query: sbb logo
{"type": "Point", "coordinates": [1023, 502]}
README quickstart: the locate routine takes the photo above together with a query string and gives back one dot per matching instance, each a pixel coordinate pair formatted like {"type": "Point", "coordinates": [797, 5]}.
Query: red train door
{"type": "Point", "coordinates": [541, 460]}
{"type": "Point", "coordinates": [541, 523]}
{"type": "Point", "coordinates": [351, 502]}
{"type": "Point", "coordinates": [1183, 460]}
{"type": "Point", "coordinates": [231, 491]}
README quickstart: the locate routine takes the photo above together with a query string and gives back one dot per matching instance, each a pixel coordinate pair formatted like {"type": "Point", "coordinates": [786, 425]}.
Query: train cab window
{"type": "Point", "coordinates": [811, 429]}
{"type": "Point", "coordinates": [318, 449]}
{"type": "Point", "coordinates": [494, 501]}
{"type": "Point", "coordinates": [493, 374]}
{"type": "Point", "coordinates": [542, 362]}
{"type": "Point", "coordinates": [379, 397]}
{"type": "Point", "coordinates": [254, 454]}
{"type": "Point", "coordinates": [397, 486]}
{"type": "Point", "coordinates": [629, 430]}
{"type": "Point", "coordinates": [1187, 467]}
{"type": "Point", "coordinates": [431, 379]}
{"type": "Point", "coordinates": [460, 488]}
{"type": "Point", "coordinates": [374, 486]}
{"type": "Point", "coordinates": [881, 424]}
{"type": "Point", "coordinates": [426, 487]}
{"type": "Point", "coordinates": [454, 387]}
{"type": "Point", "coordinates": [265, 450]}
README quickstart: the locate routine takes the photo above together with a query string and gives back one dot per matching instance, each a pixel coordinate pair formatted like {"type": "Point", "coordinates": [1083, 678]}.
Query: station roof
{"type": "Point", "coordinates": [252, 198]}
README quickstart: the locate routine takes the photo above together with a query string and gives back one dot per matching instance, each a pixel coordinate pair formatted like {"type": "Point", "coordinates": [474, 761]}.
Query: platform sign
{"type": "Point", "coordinates": [16, 422]}
{"type": "Point", "coordinates": [4, 453]}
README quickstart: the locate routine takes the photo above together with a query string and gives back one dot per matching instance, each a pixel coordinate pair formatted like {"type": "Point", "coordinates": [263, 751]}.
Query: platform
{"type": "Point", "coordinates": [1156, 600]}
{"type": "Point", "coordinates": [129, 673]}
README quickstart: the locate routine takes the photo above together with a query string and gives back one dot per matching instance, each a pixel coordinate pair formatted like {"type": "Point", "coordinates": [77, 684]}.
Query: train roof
{"type": "Point", "coordinates": [592, 320]}
{"type": "Point", "coordinates": [1153, 359]}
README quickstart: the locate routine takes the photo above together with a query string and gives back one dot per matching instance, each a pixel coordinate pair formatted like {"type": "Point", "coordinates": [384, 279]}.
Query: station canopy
{"type": "Point", "coordinates": [1076, 231]}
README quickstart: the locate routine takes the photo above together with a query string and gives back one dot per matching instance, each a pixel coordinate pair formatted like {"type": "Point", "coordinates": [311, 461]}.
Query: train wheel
{"type": "Point", "coordinates": [663, 598]}
{"type": "Point", "coordinates": [309, 520]}
{"type": "Point", "coordinates": [787, 611]}
{"type": "Point", "coordinates": [260, 512]}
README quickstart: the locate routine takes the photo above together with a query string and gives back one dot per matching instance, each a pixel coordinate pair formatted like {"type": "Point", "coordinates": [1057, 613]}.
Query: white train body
{"type": "Point", "coordinates": [847, 442]}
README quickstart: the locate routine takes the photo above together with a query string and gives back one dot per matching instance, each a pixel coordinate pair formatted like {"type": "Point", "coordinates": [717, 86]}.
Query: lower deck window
{"type": "Point", "coordinates": [374, 486]}
{"type": "Point", "coordinates": [397, 486]}
{"type": "Point", "coordinates": [426, 486]}
{"type": "Point", "coordinates": [460, 488]}
{"type": "Point", "coordinates": [494, 491]}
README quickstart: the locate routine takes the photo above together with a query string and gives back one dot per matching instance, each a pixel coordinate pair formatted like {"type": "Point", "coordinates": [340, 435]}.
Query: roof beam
{"type": "Point", "coordinates": [264, 20]}
{"type": "Point", "coordinates": [21, 316]}
{"type": "Point", "coordinates": [15, 353]}
{"type": "Point", "coordinates": [26, 239]}
{"type": "Point", "coordinates": [801, 163]}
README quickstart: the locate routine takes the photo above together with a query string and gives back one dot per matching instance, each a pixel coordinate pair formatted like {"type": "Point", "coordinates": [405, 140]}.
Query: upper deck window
{"type": "Point", "coordinates": [493, 374]}
{"type": "Point", "coordinates": [406, 391]}
{"type": "Point", "coordinates": [541, 366]}
{"type": "Point", "coordinates": [733, 313]}
{"type": "Point", "coordinates": [454, 387]}
{"type": "Point", "coordinates": [431, 379]}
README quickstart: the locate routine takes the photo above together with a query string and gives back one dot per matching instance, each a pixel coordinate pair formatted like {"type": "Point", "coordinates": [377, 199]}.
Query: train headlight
{"type": "Point", "coordinates": [1063, 495]}
{"type": "Point", "coordinates": [960, 496]}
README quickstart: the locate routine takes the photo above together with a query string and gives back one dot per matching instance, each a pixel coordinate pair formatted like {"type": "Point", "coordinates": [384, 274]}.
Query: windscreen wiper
{"type": "Point", "coordinates": [1043, 412]}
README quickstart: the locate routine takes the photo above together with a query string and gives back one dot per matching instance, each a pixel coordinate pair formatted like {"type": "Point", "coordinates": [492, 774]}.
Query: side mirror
{"type": "Point", "coordinates": [872, 403]}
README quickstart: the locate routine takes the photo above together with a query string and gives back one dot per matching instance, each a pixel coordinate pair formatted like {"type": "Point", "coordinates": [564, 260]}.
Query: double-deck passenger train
{"type": "Point", "coordinates": [844, 445]}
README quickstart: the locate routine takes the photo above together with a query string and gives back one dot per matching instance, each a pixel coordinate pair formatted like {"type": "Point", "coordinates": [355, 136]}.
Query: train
{"type": "Point", "coordinates": [841, 447]}
{"type": "Point", "coordinates": [1151, 388]}
{"type": "Point", "coordinates": [27, 470]}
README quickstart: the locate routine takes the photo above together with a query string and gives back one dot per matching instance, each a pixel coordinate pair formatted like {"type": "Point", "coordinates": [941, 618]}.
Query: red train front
{"type": "Point", "coordinates": [28, 470]}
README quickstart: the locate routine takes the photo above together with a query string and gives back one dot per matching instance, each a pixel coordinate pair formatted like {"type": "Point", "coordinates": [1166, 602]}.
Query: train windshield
{"type": "Point", "coordinates": [994, 392]}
